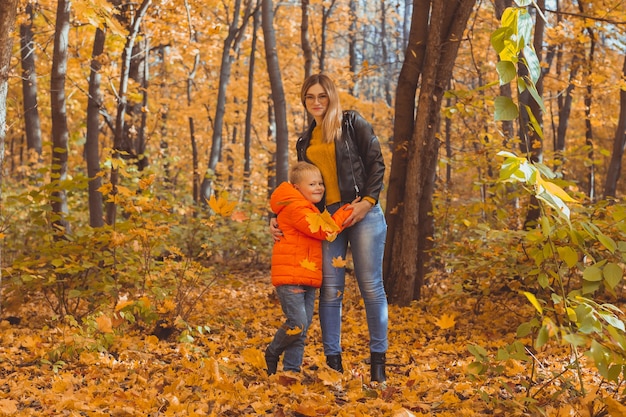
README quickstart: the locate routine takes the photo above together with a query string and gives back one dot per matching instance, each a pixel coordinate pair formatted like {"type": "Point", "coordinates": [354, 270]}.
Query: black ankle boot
{"type": "Point", "coordinates": [271, 361]}
{"type": "Point", "coordinates": [377, 364]}
{"type": "Point", "coordinates": [334, 361]}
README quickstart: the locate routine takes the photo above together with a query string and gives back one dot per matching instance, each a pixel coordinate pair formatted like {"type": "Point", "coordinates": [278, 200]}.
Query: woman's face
{"type": "Point", "coordinates": [316, 101]}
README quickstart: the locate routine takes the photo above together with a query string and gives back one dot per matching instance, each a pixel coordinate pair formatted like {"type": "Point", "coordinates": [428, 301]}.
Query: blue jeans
{"type": "Point", "coordinates": [367, 244]}
{"type": "Point", "coordinates": [297, 302]}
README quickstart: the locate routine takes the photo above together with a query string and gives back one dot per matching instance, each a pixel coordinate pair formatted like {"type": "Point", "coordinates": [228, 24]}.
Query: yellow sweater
{"type": "Point", "coordinates": [323, 156]}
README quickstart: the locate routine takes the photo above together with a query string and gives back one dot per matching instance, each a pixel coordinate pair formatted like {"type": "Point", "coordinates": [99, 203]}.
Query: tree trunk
{"type": "Point", "coordinates": [58, 113]}
{"type": "Point", "coordinates": [92, 145]}
{"type": "Point", "coordinates": [8, 10]}
{"type": "Point", "coordinates": [119, 142]}
{"type": "Point", "coordinates": [386, 64]}
{"type": "Point", "coordinates": [307, 51]}
{"type": "Point", "coordinates": [413, 228]}
{"type": "Point", "coordinates": [353, 48]}
{"type": "Point", "coordinates": [247, 140]}
{"type": "Point", "coordinates": [588, 101]}
{"type": "Point", "coordinates": [32, 123]}
{"type": "Point", "coordinates": [278, 93]}
{"type": "Point", "coordinates": [403, 128]}
{"type": "Point", "coordinates": [140, 144]}
{"type": "Point", "coordinates": [619, 142]}
{"type": "Point", "coordinates": [326, 13]}
{"type": "Point", "coordinates": [231, 46]}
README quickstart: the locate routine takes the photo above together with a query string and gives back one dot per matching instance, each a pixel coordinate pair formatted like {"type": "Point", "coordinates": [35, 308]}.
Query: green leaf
{"type": "Point", "coordinates": [568, 255]}
{"type": "Point", "coordinates": [525, 27]}
{"type": "Point", "coordinates": [613, 320]}
{"type": "Point", "coordinates": [505, 109]}
{"type": "Point", "coordinates": [532, 63]}
{"type": "Point", "coordinates": [506, 71]}
{"type": "Point", "coordinates": [478, 351]}
{"type": "Point", "coordinates": [574, 339]}
{"type": "Point", "coordinates": [607, 242]}
{"type": "Point", "coordinates": [592, 274]}
{"type": "Point", "coordinates": [542, 337]}
{"type": "Point", "coordinates": [613, 274]}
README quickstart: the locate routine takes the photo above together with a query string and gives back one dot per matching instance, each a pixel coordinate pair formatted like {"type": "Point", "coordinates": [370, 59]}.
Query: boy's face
{"type": "Point", "coordinates": [311, 186]}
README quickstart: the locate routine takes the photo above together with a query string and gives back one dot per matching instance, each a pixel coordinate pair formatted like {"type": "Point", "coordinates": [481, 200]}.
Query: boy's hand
{"type": "Point", "coordinates": [275, 230]}
{"type": "Point", "coordinates": [359, 210]}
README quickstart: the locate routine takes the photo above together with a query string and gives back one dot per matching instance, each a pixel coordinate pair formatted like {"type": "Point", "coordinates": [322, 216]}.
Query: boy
{"type": "Point", "coordinates": [297, 259]}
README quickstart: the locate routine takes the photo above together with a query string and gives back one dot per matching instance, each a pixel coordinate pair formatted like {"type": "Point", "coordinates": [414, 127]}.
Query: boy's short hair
{"type": "Point", "coordinates": [299, 169]}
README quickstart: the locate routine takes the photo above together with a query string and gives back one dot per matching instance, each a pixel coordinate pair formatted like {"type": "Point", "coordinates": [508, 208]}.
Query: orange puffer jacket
{"type": "Point", "coordinates": [297, 257]}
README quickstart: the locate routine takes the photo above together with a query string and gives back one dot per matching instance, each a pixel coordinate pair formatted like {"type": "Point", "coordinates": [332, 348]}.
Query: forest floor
{"type": "Point", "coordinates": [222, 371]}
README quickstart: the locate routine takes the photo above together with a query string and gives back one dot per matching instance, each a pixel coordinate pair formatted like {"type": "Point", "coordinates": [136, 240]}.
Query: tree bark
{"type": "Point", "coordinates": [8, 11]}
{"type": "Point", "coordinates": [231, 46]}
{"type": "Point", "coordinates": [119, 142]}
{"type": "Point", "coordinates": [403, 128]}
{"type": "Point", "coordinates": [247, 140]}
{"type": "Point", "coordinates": [278, 93]}
{"type": "Point", "coordinates": [413, 229]}
{"type": "Point", "coordinates": [619, 143]}
{"type": "Point", "coordinates": [591, 174]}
{"type": "Point", "coordinates": [58, 113]}
{"type": "Point", "coordinates": [32, 122]}
{"type": "Point", "coordinates": [92, 144]}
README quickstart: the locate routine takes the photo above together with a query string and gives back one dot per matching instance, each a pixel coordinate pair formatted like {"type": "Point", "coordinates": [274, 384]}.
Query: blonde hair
{"type": "Point", "coordinates": [300, 169]}
{"type": "Point", "coordinates": [331, 125]}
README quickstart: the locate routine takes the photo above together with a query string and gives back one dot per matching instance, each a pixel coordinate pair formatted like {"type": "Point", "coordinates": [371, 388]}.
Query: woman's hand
{"type": "Point", "coordinates": [274, 229]}
{"type": "Point", "coordinates": [359, 210]}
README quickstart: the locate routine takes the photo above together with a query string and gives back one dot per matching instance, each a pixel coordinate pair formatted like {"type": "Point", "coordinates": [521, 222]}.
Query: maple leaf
{"type": "Point", "coordinates": [104, 324]}
{"type": "Point", "coordinates": [306, 264]}
{"type": "Point", "coordinates": [239, 216]}
{"type": "Point", "coordinates": [323, 221]}
{"type": "Point", "coordinates": [446, 321]}
{"type": "Point", "coordinates": [339, 262]}
{"type": "Point", "coordinates": [294, 331]}
{"type": "Point", "coordinates": [221, 205]}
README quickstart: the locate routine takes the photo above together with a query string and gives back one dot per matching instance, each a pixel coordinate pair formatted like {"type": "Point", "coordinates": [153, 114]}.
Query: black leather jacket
{"type": "Point", "coordinates": [360, 164]}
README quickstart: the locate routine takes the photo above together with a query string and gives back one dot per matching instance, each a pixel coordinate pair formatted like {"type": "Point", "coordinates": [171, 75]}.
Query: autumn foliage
{"type": "Point", "coordinates": [166, 310]}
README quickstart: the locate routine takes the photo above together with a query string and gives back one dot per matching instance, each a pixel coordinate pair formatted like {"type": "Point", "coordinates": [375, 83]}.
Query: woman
{"type": "Point", "coordinates": [345, 149]}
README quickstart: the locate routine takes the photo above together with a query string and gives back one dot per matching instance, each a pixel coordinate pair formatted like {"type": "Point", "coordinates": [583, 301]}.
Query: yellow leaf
{"type": "Point", "coordinates": [152, 340]}
{"type": "Point", "coordinates": [323, 221]}
{"type": "Point", "coordinates": [8, 407]}
{"type": "Point", "coordinates": [533, 300]}
{"type": "Point", "coordinates": [339, 262]}
{"type": "Point", "coordinates": [254, 357]}
{"type": "Point", "coordinates": [104, 324]}
{"type": "Point", "coordinates": [446, 321]}
{"type": "Point", "coordinates": [221, 205]}
{"type": "Point", "coordinates": [146, 182]}
{"type": "Point", "coordinates": [306, 264]}
{"type": "Point", "coordinates": [296, 330]}
{"type": "Point", "coordinates": [615, 408]}
{"type": "Point", "coordinates": [123, 303]}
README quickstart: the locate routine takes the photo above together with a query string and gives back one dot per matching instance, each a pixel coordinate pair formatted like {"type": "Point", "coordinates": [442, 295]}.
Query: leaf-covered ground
{"type": "Point", "coordinates": [221, 372]}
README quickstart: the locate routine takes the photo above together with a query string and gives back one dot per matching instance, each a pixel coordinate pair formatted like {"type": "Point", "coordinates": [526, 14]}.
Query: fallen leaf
{"type": "Point", "coordinates": [104, 324]}
{"type": "Point", "coordinates": [446, 321]}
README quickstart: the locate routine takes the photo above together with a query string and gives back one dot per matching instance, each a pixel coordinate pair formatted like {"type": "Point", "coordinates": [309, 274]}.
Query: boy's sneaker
{"type": "Point", "coordinates": [271, 361]}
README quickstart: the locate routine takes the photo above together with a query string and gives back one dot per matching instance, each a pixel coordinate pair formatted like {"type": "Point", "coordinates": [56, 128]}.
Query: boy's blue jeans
{"type": "Point", "coordinates": [297, 302]}
{"type": "Point", "coordinates": [367, 244]}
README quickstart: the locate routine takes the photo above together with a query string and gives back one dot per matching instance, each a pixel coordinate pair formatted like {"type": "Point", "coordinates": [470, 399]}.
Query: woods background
{"type": "Point", "coordinates": [142, 141]}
